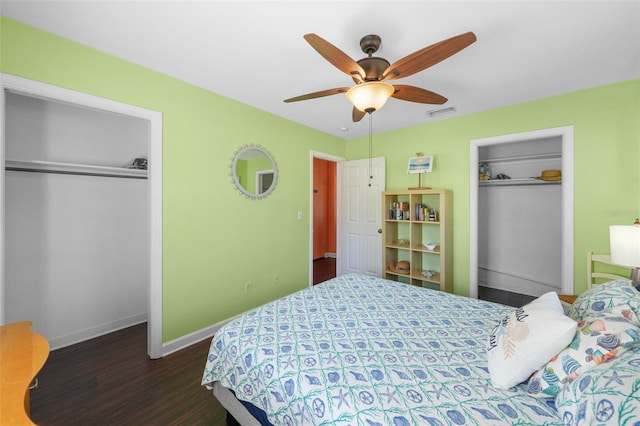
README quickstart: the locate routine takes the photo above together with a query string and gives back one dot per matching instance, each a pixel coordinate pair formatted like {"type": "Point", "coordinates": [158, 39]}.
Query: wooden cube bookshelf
{"type": "Point", "coordinates": [408, 230]}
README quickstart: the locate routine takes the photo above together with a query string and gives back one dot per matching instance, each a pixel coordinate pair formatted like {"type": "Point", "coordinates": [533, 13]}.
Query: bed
{"type": "Point", "coordinates": [360, 350]}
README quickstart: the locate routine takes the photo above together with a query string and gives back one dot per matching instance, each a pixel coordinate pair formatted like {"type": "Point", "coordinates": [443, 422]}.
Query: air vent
{"type": "Point", "coordinates": [441, 111]}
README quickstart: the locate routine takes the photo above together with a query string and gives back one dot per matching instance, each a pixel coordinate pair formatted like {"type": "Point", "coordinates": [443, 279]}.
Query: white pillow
{"type": "Point", "coordinates": [526, 339]}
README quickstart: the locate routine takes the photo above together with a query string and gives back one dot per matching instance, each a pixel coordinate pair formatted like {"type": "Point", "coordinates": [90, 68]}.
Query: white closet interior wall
{"type": "Point", "coordinates": [520, 226]}
{"type": "Point", "coordinates": [77, 251]}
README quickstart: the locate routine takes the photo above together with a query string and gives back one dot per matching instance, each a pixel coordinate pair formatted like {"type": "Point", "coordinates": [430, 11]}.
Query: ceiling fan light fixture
{"type": "Point", "coordinates": [370, 95]}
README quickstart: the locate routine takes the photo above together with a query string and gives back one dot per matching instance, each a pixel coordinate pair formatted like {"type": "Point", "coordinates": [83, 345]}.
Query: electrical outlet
{"type": "Point", "coordinates": [248, 287]}
{"type": "Point", "coordinates": [276, 278]}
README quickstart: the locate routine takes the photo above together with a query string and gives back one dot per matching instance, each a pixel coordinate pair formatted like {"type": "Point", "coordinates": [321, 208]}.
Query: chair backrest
{"type": "Point", "coordinates": [603, 259]}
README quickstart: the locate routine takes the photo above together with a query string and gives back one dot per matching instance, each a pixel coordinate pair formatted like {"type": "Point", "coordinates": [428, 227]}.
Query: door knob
{"type": "Point", "coordinates": [379, 230]}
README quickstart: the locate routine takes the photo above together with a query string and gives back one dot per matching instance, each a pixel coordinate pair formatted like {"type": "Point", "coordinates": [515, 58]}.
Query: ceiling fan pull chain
{"type": "Point", "coordinates": [370, 148]}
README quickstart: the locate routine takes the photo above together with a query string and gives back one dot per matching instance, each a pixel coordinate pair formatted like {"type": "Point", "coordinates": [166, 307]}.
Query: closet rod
{"type": "Point", "coordinates": [548, 155]}
{"type": "Point", "coordinates": [64, 172]}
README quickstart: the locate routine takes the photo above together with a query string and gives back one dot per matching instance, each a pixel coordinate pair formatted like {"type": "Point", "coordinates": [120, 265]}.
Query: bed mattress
{"type": "Point", "coordinates": [364, 350]}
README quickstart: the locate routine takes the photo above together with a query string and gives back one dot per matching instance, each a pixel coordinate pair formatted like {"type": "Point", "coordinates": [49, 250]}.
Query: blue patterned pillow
{"type": "Point", "coordinates": [608, 394]}
{"type": "Point", "coordinates": [597, 340]}
{"type": "Point", "coordinates": [616, 296]}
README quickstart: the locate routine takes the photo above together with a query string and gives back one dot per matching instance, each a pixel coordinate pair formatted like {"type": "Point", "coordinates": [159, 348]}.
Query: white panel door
{"type": "Point", "coordinates": [359, 239]}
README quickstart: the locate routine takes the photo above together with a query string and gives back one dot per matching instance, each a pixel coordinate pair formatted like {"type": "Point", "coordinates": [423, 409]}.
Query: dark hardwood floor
{"type": "Point", "coordinates": [323, 269]}
{"type": "Point", "coordinates": [505, 297]}
{"type": "Point", "coordinates": [110, 380]}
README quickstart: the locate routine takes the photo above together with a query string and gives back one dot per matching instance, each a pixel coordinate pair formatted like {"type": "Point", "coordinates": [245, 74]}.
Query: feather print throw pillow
{"type": "Point", "coordinates": [526, 339]}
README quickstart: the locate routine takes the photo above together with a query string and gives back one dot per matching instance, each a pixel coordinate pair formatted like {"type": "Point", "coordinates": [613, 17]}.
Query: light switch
{"type": "Point", "coordinates": [299, 215]}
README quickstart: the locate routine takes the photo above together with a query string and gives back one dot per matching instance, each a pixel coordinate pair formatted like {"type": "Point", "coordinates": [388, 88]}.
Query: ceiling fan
{"type": "Point", "coordinates": [371, 73]}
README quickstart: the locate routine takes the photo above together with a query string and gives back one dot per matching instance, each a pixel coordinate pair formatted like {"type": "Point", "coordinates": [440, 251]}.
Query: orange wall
{"type": "Point", "coordinates": [324, 207]}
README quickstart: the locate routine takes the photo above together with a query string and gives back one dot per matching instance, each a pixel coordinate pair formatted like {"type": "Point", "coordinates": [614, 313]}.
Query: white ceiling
{"type": "Point", "coordinates": [254, 52]}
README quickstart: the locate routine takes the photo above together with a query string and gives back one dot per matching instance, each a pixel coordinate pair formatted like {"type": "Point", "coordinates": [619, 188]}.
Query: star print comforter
{"type": "Point", "coordinates": [360, 350]}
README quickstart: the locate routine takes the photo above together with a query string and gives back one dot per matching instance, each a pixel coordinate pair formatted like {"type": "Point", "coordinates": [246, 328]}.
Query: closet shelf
{"type": "Point", "coordinates": [516, 182]}
{"type": "Point", "coordinates": [544, 156]}
{"type": "Point", "coordinates": [74, 169]}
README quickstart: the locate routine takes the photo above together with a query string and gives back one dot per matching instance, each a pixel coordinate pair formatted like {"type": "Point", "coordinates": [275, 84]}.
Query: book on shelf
{"type": "Point", "coordinates": [399, 210]}
{"type": "Point", "coordinates": [425, 214]}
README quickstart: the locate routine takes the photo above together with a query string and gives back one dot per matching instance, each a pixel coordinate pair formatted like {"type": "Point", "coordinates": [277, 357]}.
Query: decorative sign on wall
{"type": "Point", "coordinates": [420, 164]}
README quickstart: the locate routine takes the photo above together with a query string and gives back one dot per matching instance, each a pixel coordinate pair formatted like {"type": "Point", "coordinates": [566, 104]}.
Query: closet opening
{"type": "Point", "coordinates": [81, 216]}
{"type": "Point", "coordinates": [521, 217]}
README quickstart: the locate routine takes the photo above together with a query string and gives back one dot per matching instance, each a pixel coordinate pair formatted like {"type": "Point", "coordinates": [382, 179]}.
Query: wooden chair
{"type": "Point", "coordinates": [595, 277]}
{"type": "Point", "coordinates": [603, 260]}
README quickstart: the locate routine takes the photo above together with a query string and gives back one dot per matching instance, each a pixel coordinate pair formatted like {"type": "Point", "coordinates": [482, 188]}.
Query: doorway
{"type": "Point", "coordinates": [565, 136]}
{"type": "Point", "coordinates": [264, 180]}
{"type": "Point", "coordinates": [324, 205]}
{"type": "Point", "coordinates": [153, 119]}
{"type": "Point", "coordinates": [324, 220]}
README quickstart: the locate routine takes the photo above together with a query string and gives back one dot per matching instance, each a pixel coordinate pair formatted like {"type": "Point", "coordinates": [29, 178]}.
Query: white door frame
{"type": "Point", "coordinates": [48, 92]}
{"type": "Point", "coordinates": [259, 177]}
{"type": "Point", "coordinates": [566, 134]}
{"type": "Point", "coordinates": [337, 160]}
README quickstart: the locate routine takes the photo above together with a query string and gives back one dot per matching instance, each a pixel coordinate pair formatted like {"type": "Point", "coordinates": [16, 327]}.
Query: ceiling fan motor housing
{"type": "Point", "coordinates": [373, 67]}
{"type": "Point", "coordinates": [370, 44]}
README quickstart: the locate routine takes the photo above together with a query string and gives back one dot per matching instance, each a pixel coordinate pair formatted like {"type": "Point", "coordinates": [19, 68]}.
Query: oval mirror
{"type": "Point", "coordinates": [253, 171]}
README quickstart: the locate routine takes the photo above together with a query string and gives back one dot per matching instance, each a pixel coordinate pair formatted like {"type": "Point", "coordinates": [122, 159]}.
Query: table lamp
{"type": "Point", "coordinates": [625, 248]}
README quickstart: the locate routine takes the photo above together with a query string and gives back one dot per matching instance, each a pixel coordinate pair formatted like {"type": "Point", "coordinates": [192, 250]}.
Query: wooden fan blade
{"type": "Point", "coordinates": [416, 94]}
{"type": "Point", "coordinates": [357, 115]}
{"type": "Point", "coordinates": [429, 56]}
{"type": "Point", "coordinates": [319, 94]}
{"type": "Point", "coordinates": [335, 56]}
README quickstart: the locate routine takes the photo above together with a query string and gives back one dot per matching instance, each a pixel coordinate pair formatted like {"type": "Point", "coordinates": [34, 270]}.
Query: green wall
{"type": "Point", "coordinates": [215, 240]}
{"type": "Point", "coordinates": [606, 124]}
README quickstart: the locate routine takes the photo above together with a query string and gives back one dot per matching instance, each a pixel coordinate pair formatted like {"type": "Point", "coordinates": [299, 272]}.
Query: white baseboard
{"type": "Point", "coordinates": [193, 338]}
{"type": "Point", "coordinates": [95, 331]}
{"type": "Point", "coordinates": [167, 348]}
{"type": "Point", "coordinates": [197, 336]}
{"type": "Point", "coordinates": [514, 283]}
